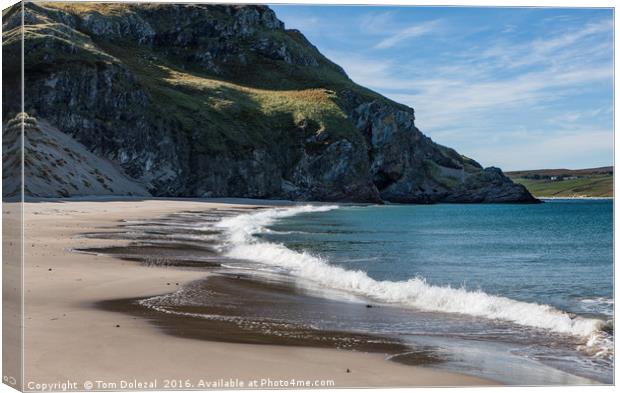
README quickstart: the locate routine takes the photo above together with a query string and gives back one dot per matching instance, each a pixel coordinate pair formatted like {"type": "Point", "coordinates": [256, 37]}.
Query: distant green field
{"type": "Point", "coordinates": [596, 182]}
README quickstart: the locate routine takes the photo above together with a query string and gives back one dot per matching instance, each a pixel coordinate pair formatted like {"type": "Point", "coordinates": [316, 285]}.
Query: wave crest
{"type": "Point", "coordinates": [415, 292]}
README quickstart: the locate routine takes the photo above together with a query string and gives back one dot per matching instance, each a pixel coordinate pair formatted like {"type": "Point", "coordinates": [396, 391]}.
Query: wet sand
{"type": "Point", "coordinates": [69, 336]}
{"type": "Point", "coordinates": [239, 309]}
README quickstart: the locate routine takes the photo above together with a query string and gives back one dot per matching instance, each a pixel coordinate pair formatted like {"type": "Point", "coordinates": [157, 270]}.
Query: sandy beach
{"type": "Point", "coordinates": [69, 339]}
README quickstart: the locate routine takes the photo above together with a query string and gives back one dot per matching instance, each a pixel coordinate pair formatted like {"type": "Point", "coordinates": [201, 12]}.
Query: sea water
{"type": "Point", "coordinates": [518, 293]}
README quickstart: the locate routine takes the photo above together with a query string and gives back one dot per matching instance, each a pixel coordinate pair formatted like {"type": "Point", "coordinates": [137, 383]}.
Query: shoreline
{"type": "Point", "coordinates": [63, 288]}
{"type": "Point", "coordinates": [248, 322]}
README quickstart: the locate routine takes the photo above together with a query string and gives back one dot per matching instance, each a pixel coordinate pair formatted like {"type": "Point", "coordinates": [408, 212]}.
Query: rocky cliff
{"type": "Point", "coordinates": [215, 100]}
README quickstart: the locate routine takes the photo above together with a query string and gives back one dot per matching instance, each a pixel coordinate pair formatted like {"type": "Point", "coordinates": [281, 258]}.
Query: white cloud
{"type": "Point", "coordinates": [564, 48]}
{"type": "Point", "coordinates": [445, 103]}
{"type": "Point", "coordinates": [509, 29]}
{"type": "Point", "coordinates": [445, 100]}
{"type": "Point", "coordinates": [415, 31]}
{"type": "Point", "coordinates": [377, 23]}
{"type": "Point", "coordinates": [485, 102]}
{"type": "Point", "coordinates": [563, 40]}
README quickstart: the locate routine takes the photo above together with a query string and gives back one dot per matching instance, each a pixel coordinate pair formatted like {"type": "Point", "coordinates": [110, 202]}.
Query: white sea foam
{"type": "Point", "coordinates": [415, 292]}
{"type": "Point", "coordinates": [600, 305]}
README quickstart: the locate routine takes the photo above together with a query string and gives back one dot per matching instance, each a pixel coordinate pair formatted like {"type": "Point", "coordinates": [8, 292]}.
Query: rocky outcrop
{"type": "Point", "coordinates": [487, 186]}
{"type": "Point", "coordinates": [214, 100]}
{"type": "Point", "coordinates": [408, 167]}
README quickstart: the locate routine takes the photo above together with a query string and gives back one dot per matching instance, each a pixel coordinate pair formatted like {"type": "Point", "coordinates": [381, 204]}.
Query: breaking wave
{"type": "Point", "coordinates": [415, 292]}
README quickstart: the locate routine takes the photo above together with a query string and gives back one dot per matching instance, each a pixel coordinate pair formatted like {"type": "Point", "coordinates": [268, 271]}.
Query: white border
{"type": "Point", "coordinates": [479, 3]}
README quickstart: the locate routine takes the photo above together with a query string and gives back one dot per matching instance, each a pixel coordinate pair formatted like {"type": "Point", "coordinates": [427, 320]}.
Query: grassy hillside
{"type": "Point", "coordinates": [593, 182]}
{"type": "Point", "coordinates": [250, 103]}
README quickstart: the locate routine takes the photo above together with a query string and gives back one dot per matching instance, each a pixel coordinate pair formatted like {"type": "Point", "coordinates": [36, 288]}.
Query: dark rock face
{"type": "Point", "coordinates": [489, 186]}
{"type": "Point", "coordinates": [106, 110]}
{"type": "Point", "coordinates": [100, 75]}
{"type": "Point", "coordinates": [409, 167]}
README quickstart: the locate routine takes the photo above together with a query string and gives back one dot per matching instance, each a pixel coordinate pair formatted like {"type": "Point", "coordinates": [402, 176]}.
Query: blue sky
{"type": "Point", "coordinates": [518, 88]}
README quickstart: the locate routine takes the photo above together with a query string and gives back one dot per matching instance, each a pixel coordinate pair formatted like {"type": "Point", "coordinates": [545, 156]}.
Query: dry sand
{"type": "Point", "coordinates": [67, 339]}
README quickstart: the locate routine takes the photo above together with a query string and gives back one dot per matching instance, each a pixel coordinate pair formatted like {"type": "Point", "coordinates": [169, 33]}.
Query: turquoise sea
{"type": "Point", "coordinates": [518, 293]}
{"type": "Point", "coordinates": [558, 253]}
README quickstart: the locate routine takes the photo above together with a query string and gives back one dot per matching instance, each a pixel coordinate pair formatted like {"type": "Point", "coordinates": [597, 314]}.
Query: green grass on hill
{"type": "Point", "coordinates": [590, 185]}
{"type": "Point", "coordinates": [226, 111]}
